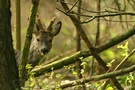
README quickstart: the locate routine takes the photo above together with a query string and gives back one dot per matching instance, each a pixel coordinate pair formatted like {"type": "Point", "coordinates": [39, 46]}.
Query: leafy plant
{"type": "Point", "coordinates": [129, 80]}
{"type": "Point", "coordinates": [125, 48]}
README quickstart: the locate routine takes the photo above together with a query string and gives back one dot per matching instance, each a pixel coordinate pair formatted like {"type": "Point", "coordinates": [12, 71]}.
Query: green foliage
{"type": "Point", "coordinates": [130, 81]}
{"type": "Point", "coordinates": [125, 48]}
{"type": "Point", "coordinates": [109, 87]}
{"type": "Point", "coordinates": [110, 63]}
{"type": "Point", "coordinates": [95, 86]}
{"type": "Point", "coordinates": [30, 76]}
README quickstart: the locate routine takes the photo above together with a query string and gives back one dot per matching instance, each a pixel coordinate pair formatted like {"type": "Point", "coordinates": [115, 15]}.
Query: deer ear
{"type": "Point", "coordinates": [36, 30]}
{"type": "Point", "coordinates": [55, 29]}
{"type": "Point", "coordinates": [37, 27]}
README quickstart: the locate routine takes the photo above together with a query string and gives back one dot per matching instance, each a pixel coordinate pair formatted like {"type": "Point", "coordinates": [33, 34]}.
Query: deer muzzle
{"type": "Point", "coordinates": [44, 50]}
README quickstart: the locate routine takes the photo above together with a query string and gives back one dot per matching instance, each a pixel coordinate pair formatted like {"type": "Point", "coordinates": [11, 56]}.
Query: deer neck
{"type": "Point", "coordinates": [34, 54]}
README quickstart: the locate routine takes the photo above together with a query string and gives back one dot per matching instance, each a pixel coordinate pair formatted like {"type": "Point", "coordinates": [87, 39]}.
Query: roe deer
{"type": "Point", "coordinates": [41, 42]}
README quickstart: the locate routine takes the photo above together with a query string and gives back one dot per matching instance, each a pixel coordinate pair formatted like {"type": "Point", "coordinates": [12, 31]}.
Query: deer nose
{"type": "Point", "coordinates": [44, 50]}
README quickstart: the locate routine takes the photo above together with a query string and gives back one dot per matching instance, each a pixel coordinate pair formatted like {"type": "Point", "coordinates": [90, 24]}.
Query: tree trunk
{"type": "Point", "coordinates": [18, 24]}
{"type": "Point", "coordinates": [9, 78]}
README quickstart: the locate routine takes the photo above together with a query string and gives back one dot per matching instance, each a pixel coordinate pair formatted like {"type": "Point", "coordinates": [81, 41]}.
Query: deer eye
{"type": "Point", "coordinates": [50, 40]}
{"type": "Point", "coordinates": [38, 40]}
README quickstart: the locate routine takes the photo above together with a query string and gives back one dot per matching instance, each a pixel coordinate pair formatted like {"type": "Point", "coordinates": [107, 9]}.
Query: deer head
{"type": "Point", "coordinates": [44, 37]}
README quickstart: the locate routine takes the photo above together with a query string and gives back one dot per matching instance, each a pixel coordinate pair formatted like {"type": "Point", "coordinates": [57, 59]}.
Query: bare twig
{"type": "Point", "coordinates": [125, 59]}
{"type": "Point", "coordinates": [91, 18]}
{"type": "Point", "coordinates": [118, 20]}
{"type": "Point", "coordinates": [106, 15]}
{"type": "Point", "coordinates": [88, 20]}
{"type": "Point", "coordinates": [72, 6]}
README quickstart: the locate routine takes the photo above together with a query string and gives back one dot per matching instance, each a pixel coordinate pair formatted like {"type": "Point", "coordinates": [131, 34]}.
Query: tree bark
{"type": "Point", "coordinates": [9, 77]}
{"type": "Point", "coordinates": [18, 24]}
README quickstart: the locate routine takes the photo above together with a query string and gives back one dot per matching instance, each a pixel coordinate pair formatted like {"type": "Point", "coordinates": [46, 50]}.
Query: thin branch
{"type": "Point", "coordinates": [88, 20]}
{"type": "Point", "coordinates": [125, 59]}
{"type": "Point", "coordinates": [105, 15]}
{"type": "Point", "coordinates": [91, 18]}
{"type": "Point", "coordinates": [91, 11]}
{"type": "Point", "coordinates": [73, 6]}
{"type": "Point", "coordinates": [129, 1]}
{"type": "Point", "coordinates": [118, 20]}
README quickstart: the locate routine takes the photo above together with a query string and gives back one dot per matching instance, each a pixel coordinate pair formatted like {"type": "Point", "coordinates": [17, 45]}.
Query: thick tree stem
{"type": "Point", "coordinates": [33, 12]}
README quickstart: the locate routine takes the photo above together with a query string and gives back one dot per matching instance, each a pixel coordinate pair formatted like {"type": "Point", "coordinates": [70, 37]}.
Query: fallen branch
{"type": "Point", "coordinates": [98, 77]}
{"type": "Point", "coordinates": [116, 40]}
{"type": "Point", "coordinates": [56, 65]}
